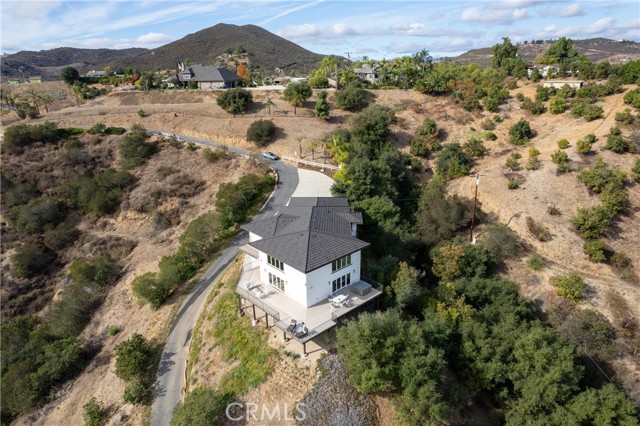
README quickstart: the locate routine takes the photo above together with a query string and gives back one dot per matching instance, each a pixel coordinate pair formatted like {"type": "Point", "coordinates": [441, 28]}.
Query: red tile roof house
{"type": "Point", "coordinates": [208, 77]}
{"type": "Point", "coordinates": [302, 267]}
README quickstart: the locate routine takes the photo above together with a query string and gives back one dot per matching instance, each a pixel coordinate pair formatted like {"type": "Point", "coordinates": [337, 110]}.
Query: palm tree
{"type": "Point", "coordinates": [269, 103]}
{"type": "Point", "coordinates": [77, 91]}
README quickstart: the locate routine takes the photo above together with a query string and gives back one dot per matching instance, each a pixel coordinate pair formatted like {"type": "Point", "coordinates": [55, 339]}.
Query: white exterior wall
{"type": "Point", "coordinates": [254, 237]}
{"type": "Point", "coordinates": [314, 287]}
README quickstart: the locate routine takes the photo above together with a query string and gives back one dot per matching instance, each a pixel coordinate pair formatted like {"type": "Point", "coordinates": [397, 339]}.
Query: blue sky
{"type": "Point", "coordinates": [378, 29]}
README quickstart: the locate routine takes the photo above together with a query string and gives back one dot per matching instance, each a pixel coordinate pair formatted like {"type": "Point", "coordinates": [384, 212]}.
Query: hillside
{"type": "Point", "coordinates": [596, 49]}
{"type": "Point", "coordinates": [266, 50]}
{"type": "Point", "coordinates": [48, 63]}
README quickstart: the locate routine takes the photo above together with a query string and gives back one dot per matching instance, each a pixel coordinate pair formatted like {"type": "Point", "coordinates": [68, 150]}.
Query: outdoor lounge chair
{"type": "Point", "coordinates": [302, 332]}
{"type": "Point", "coordinates": [292, 326]}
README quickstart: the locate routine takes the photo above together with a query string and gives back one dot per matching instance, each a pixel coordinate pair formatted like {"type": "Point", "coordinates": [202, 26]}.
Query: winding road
{"type": "Point", "coordinates": [173, 363]}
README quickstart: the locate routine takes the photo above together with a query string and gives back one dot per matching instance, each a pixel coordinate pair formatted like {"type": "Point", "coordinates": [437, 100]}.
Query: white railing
{"type": "Point", "coordinates": [311, 163]}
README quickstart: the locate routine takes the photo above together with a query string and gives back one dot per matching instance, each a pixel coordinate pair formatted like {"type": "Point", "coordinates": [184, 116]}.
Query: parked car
{"type": "Point", "coordinates": [270, 155]}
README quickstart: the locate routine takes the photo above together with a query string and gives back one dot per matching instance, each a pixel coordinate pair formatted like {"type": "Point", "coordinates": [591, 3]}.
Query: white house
{"type": "Point", "coordinates": [368, 73]}
{"type": "Point", "coordinates": [309, 250]}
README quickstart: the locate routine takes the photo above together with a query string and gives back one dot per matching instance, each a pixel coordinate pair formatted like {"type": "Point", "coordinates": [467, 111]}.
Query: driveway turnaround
{"type": "Point", "coordinates": [173, 363]}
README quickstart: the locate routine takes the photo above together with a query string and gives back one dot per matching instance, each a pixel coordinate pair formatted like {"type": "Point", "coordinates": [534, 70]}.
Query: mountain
{"type": "Point", "coordinates": [595, 49]}
{"type": "Point", "coordinates": [265, 50]}
{"type": "Point", "coordinates": [48, 63]}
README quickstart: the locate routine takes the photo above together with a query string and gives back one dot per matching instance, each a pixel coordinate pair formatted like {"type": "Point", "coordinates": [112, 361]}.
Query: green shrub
{"type": "Point", "coordinates": [133, 357]}
{"type": "Point", "coordinates": [488, 124]}
{"type": "Point", "coordinates": [583, 147]}
{"type": "Point", "coordinates": [591, 138]}
{"type": "Point", "coordinates": [543, 93]}
{"type": "Point", "coordinates": [617, 144]}
{"type": "Point", "coordinates": [521, 132]}
{"type": "Point", "coordinates": [533, 152]}
{"type": "Point", "coordinates": [600, 175]}
{"type": "Point", "coordinates": [557, 105]}
{"type": "Point", "coordinates": [416, 164]}
{"type": "Point", "coordinates": [100, 270]}
{"type": "Point", "coordinates": [512, 163]}
{"type": "Point", "coordinates": [115, 131]}
{"type": "Point", "coordinates": [635, 171]}
{"type": "Point", "coordinates": [93, 412]}
{"type": "Point", "coordinates": [614, 199]}
{"type": "Point", "coordinates": [560, 157]}
{"type": "Point", "coordinates": [321, 109]}
{"type": "Point", "coordinates": [592, 222]}
{"type": "Point", "coordinates": [501, 241]}
{"type": "Point", "coordinates": [97, 129]}
{"type": "Point", "coordinates": [452, 162]}
{"type": "Point", "coordinates": [489, 136]}
{"type": "Point", "coordinates": [563, 144]}
{"type": "Point", "coordinates": [532, 163]}
{"type": "Point", "coordinates": [620, 260]}
{"type": "Point", "coordinates": [137, 392]}
{"type": "Point", "coordinates": [101, 194]}
{"type": "Point", "coordinates": [632, 97]}
{"type": "Point", "coordinates": [31, 259]}
{"type": "Point", "coordinates": [235, 101]}
{"type": "Point", "coordinates": [595, 250]}
{"type": "Point", "coordinates": [351, 98]}
{"type": "Point", "coordinates": [520, 96]}
{"type": "Point", "coordinates": [428, 129]}
{"type": "Point", "coordinates": [201, 407]}
{"type": "Point", "coordinates": [134, 149]}
{"type": "Point", "coordinates": [113, 330]}
{"type": "Point", "coordinates": [319, 81]}
{"type": "Point", "coordinates": [151, 290]}
{"type": "Point", "coordinates": [587, 111]}
{"type": "Point", "coordinates": [60, 237]}
{"type": "Point", "coordinates": [261, 132]}
{"type": "Point", "coordinates": [553, 211]}
{"type": "Point", "coordinates": [141, 113]}
{"type": "Point", "coordinates": [474, 148]}
{"type": "Point", "coordinates": [512, 184]}
{"type": "Point", "coordinates": [624, 117]}
{"type": "Point", "coordinates": [535, 262]}
{"type": "Point", "coordinates": [38, 216]}
{"type": "Point", "coordinates": [570, 286]}
{"type": "Point", "coordinates": [418, 148]}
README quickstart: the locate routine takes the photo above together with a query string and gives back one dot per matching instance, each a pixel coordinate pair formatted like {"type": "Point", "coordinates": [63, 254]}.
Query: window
{"type": "Point", "coordinates": [278, 264]}
{"type": "Point", "coordinates": [341, 263]}
{"type": "Point", "coordinates": [341, 282]}
{"type": "Point", "coordinates": [277, 282]}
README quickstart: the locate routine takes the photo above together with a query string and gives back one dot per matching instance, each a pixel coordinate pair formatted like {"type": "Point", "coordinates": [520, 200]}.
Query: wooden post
{"type": "Point", "coordinates": [253, 307]}
{"type": "Point", "coordinates": [267, 319]}
{"type": "Point", "coordinates": [304, 348]}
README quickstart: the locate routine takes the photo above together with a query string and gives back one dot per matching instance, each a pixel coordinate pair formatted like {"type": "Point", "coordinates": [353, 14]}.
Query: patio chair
{"type": "Point", "coordinates": [292, 325]}
{"type": "Point", "coordinates": [302, 332]}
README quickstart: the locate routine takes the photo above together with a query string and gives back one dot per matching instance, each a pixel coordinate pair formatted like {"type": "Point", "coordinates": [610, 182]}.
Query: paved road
{"type": "Point", "coordinates": [173, 364]}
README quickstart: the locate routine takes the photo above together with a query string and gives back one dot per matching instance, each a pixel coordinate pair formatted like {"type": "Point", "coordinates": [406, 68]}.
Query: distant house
{"type": "Point", "coordinates": [35, 80]}
{"type": "Point", "coordinates": [548, 71]}
{"type": "Point", "coordinates": [574, 84]}
{"type": "Point", "coordinates": [207, 77]}
{"type": "Point", "coordinates": [94, 73]}
{"type": "Point", "coordinates": [368, 73]}
{"type": "Point", "coordinates": [13, 81]}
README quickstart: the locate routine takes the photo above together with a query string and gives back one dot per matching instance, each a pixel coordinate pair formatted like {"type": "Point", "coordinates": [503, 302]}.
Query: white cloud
{"type": "Point", "coordinates": [154, 38]}
{"type": "Point", "coordinates": [290, 11]}
{"type": "Point", "coordinates": [574, 9]}
{"type": "Point", "coordinates": [497, 16]}
{"type": "Point", "coordinates": [312, 31]}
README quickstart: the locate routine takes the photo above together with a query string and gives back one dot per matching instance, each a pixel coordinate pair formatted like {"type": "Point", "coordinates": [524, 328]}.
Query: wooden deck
{"type": "Point", "coordinates": [318, 318]}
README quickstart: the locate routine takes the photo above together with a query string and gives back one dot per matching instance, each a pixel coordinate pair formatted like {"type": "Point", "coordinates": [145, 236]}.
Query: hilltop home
{"type": "Point", "coordinates": [368, 73]}
{"type": "Point", "coordinates": [302, 266]}
{"type": "Point", "coordinates": [207, 77]}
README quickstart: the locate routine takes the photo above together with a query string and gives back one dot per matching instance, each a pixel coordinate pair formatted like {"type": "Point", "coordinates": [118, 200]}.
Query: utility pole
{"type": "Point", "coordinates": [473, 211]}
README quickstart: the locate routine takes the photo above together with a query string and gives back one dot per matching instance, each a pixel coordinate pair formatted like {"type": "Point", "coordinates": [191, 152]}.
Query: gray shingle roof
{"type": "Point", "coordinates": [309, 232]}
{"type": "Point", "coordinates": [202, 73]}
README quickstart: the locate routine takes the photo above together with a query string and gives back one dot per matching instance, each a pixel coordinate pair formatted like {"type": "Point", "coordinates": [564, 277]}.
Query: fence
{"type": "Point", "coordinates": [311, 163]}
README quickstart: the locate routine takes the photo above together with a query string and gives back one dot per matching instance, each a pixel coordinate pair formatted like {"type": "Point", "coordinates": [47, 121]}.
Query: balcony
{"type": "Point", "coordinates": [317, 318]}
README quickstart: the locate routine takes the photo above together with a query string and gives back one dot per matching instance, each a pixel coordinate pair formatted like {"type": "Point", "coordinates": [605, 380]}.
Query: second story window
{"type": "Point", "coordinates": [343, 262]}
{"type": "Point", "coordinates": [276, 263]}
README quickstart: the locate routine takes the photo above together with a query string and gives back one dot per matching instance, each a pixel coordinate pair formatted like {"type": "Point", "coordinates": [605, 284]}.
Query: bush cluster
{"type": "Point", "coordinates": [570, 286]}
{"type": "Point", "coordinates": [351, 98]}
{"type": "Point", "coordinates": [453, 162]}
{"type": "Point", "coordinates": [134, 149]}
{"type": "Point", "coordinates": [521, 132]}
{"type": "Point", "coordinates": [261, 132]}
